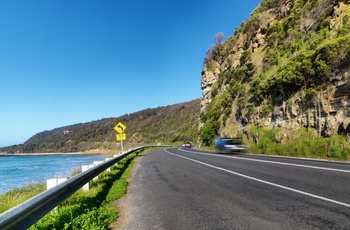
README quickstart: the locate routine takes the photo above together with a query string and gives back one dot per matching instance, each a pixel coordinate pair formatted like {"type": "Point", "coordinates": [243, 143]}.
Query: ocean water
{"type": "Point", "coordinates": [19, 171]}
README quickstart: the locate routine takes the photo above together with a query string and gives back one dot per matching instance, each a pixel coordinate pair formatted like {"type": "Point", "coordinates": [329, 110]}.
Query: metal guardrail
{"type": "Point", "coordinates": [27, 213]}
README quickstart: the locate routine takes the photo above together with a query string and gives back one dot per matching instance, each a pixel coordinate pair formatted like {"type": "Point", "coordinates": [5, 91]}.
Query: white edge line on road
{"type": "Point", "coordinates": [263, 181]}
{"type": "Point", "coordinates": [273, 162]}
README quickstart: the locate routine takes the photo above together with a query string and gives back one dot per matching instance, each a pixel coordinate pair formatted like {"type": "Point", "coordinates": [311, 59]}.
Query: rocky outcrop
{"type": "Point", "coordinates": [324, 106]}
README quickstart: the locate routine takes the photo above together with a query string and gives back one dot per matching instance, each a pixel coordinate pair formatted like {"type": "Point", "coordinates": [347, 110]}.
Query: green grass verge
{"type": "Point", "coordinates": [93, 209]}
{"type": "Point", "coordinates": [16, 196]}
{"type": "Point", "coordinates": [305, 144]}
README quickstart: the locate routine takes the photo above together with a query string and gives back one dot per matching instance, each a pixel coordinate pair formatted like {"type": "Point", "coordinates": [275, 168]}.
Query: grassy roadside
{"type": "Point", "coordinates": [305, 144]}
{"type": "Point", "coordinates": [301, 143]}
{"type": "Point", "coordinates": [93, 209]}
{"type": "Point", "coordinates": [14, 197]}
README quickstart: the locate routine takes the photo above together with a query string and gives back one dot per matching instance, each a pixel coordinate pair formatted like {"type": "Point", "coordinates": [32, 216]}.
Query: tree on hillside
{"type": "Point", "coordinates": [218, 38]}
{"type": "Point", "coordinates": [207, 134]}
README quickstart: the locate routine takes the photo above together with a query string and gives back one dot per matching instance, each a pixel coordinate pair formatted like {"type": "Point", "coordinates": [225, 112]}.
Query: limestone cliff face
{"type": "Point", "coordinates": [287, 66]}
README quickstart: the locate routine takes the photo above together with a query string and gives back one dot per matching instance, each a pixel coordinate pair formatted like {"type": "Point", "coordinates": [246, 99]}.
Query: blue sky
{"type": "Point", "coordinates": [65, 62]}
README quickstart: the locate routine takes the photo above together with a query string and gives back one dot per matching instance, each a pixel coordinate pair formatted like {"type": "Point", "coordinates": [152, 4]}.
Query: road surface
{"type": "Point", "coordinates": [178, 188]}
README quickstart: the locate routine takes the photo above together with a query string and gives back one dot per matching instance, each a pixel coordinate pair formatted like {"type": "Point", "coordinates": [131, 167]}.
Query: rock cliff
{"type": "Point", "coordinates": [287, 66]}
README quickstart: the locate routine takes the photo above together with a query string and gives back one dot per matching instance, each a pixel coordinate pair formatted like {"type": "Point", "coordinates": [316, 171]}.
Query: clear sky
{"type": "Point", "coordinates": [64, 62]}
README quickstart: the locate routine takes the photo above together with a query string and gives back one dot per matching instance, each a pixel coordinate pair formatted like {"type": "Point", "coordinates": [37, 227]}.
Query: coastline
{"type": "Point", "coordinates": [20, 170]}
{"type": "Point", "coordinates": [88, 152]}
{"type": "Point", "coordinates": [47, 154]}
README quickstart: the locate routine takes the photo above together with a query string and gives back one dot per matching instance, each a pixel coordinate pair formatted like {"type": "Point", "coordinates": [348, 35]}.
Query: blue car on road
{"type": "Point", "coordinates": [225, 144]}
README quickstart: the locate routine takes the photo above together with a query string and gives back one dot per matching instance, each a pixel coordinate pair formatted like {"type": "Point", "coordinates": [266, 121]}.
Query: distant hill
{"type": "Point", "coordinates": [166, 125]}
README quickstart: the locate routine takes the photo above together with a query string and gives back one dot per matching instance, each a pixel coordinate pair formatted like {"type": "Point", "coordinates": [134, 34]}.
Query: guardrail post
{"type": "Point", "coordinates": [50, 183]}
{"type": "Point", "coordinates": [84, 168]}
{"type": "Point", "coordinates": [107, 159]}
{"type": "Point", "coordinates": [95, 164]}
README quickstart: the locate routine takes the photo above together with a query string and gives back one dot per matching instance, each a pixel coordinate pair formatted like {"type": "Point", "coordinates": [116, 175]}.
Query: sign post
{"type": "Point", "coordinates": [120, 127]}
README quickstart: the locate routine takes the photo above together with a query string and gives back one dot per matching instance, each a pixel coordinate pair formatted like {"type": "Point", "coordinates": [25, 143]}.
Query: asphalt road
{"type": "Point", "coordinates": [187, 189]}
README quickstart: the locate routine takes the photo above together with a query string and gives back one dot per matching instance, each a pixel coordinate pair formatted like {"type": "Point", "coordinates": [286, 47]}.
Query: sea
{"type": "Point", "coordinates": [18, 171]}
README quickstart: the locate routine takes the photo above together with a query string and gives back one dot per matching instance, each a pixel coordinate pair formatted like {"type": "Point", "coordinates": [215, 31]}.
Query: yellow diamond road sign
{"type": "Point", "coordinates": [120, 127]}
{"type": "Point", "coordinates": [121, 137]}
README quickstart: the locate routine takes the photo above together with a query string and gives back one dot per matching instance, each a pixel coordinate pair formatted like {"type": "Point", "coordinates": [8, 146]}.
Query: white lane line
{"type": "Point", "coordinates": [263, 181]}
{"type": "Point", "coordinates": [273, 162]}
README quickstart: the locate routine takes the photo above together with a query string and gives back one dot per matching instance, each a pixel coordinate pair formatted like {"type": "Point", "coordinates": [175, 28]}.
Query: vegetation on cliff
{"type": "Point", "coordinates": [287, 68]}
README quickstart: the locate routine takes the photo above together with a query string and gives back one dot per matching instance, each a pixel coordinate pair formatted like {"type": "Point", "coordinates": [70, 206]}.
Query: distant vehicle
{"type": "Point", "coordinates": [188, 144]}
{"type": "Point", "coordinates": [224, 144]}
